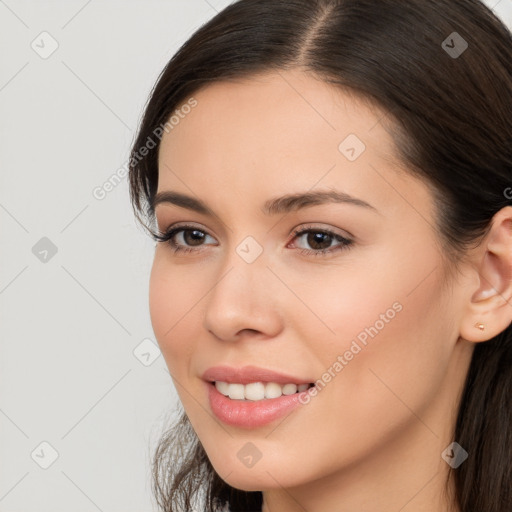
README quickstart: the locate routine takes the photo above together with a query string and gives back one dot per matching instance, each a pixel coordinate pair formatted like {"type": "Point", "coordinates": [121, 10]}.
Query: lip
{"type": "Point", "coordinates": [248, 374]}
{"type": "Point", "coordinates": [249, 414]}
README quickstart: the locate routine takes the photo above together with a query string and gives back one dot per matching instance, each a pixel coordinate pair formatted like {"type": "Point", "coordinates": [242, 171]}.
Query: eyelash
{"type": "Point", "coordinates": [167, 237]}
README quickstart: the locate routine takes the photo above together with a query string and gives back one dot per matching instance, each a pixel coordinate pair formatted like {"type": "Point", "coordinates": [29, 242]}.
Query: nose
{"type": "Point", "coordinates": [243, 302]}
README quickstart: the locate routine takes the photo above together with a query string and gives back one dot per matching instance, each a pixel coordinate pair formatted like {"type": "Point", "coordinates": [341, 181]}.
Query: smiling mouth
{"type": "Point", "coordinates": [255, 391]}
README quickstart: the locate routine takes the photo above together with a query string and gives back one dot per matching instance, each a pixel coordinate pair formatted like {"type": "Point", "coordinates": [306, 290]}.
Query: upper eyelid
{"type": "Point", "coordinates": [306, 225]}
{"type": "Point", "coordinates": [300, 230]}
{"type": "Point", "coordinates": [332, 230]}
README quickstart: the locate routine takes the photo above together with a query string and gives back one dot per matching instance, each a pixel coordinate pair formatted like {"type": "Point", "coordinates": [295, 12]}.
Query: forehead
{"type": "Point", "coordinates": [269, 112]}
{"type": "Point", "coordinates": [278, 131]}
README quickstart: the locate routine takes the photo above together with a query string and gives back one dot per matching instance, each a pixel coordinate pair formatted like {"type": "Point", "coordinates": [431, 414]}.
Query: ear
{"type": "Point", "coordinates": [491, 300]}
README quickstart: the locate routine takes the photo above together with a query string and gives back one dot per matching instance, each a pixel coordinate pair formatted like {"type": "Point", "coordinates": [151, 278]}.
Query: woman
{"type": "Point", "coordinates": [329, 183]}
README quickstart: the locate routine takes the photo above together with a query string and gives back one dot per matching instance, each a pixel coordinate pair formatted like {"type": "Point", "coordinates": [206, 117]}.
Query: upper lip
{"type": "Point", "coordinates": [248, 374]}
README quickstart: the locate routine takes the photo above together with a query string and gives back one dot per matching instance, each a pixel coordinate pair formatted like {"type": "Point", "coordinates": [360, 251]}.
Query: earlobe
{"type": "Point", "coordinates": [489, 310]}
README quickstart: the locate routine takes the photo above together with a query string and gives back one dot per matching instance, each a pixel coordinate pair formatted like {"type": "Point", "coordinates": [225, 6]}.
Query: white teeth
{"type": "Point", "coordinates": [222, 387]}
{"type": "Point", "coordinates": [254, 391]}
{"type": "Point", "coordinates": [290, 389]}
{"type": "Point", "coordinates": [258, 390]}
{"type": "Point", "coordinates": [273, 390]}
{"type": "Point", "coordinates": [236, 391]}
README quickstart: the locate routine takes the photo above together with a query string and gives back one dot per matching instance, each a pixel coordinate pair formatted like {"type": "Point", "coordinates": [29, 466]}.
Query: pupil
{"type": "Point", "coordinates": [194, 237]}
{"type": "Point", "coordinates": [316, 238]}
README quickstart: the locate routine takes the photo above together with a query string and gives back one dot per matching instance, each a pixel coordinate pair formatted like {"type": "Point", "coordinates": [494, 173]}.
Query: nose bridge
{"type": "Point", "coordinates": [242, 297]}
{"type": "Point", "coordinates": [244, 266]}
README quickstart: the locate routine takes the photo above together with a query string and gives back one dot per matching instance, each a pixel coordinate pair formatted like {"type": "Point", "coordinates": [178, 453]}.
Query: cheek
{"type": "Point", "coordinates": [380, 329]}
{"type": "Point", "coordinates": [173, 296]}
{"type": "Point", "coordinates": [333, 306]}
{"type": "Point", "coordinates": [391, 347]}
{"type": "Point", "coordinates": [377, 297]}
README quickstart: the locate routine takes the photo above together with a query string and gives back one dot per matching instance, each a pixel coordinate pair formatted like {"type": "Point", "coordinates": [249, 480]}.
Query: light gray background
{"type": "Point", "coordinates": [79, 365]}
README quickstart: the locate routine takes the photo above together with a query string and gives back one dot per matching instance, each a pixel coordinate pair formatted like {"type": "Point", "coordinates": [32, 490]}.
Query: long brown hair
{"type": "Point", "coordinates": [442, 70]}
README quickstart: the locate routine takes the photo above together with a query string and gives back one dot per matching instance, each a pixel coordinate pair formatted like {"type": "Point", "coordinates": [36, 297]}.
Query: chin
{"type": "Point", "coordinates": [261, 477]}
{"type": "Point", "coordinates": [250, 481]}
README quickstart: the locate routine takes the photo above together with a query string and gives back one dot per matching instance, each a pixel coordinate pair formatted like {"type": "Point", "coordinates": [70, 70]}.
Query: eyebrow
{"type": "Point", "coordinates": [278, 205]}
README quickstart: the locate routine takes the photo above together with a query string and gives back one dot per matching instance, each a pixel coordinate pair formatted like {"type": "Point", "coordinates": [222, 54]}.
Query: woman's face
{"type": "Point", "coordinates": [372, 319]}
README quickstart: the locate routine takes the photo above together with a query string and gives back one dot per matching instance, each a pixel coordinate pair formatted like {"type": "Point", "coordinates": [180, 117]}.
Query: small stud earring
{"type": "Point", "coordinates": [480, 326]}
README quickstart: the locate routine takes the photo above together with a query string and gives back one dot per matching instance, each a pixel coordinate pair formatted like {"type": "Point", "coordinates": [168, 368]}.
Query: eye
{"type": "Point", "coordinates": [183, 238]}
{"type": "Point", "coordinates": [321, 240]}
{"type": "Point", "coordinates": [190, 239]}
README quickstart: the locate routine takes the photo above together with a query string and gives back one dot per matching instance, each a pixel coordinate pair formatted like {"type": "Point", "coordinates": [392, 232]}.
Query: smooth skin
{"type": "Point", "coordinates": [372, 438]}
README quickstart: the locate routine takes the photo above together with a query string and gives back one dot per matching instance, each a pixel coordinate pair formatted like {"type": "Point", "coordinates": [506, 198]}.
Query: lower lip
{"type": "Point", "coordinates": [249, 414]}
